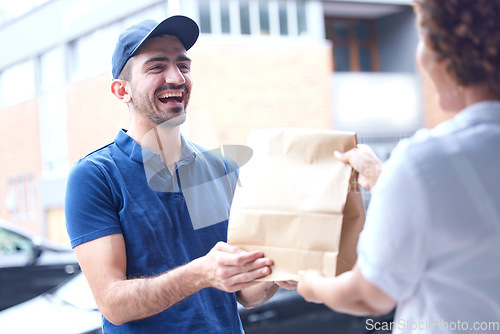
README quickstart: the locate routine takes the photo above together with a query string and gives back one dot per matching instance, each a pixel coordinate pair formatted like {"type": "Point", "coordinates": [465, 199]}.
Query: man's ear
{"type": "Point", "coordinates": [120, 89]}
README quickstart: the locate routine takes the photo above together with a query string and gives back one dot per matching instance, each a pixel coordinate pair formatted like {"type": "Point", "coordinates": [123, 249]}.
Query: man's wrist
{"type": "Point", "coordinates": [199, 273]}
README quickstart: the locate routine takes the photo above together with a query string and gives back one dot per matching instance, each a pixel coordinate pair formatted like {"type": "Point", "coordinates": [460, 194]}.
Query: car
{"type": "Point", "coordinates": [70, 309]}
{"type": "Point", "coordinates": [67, 309]}
{"type": "Point", "coordinates": [30, 265]}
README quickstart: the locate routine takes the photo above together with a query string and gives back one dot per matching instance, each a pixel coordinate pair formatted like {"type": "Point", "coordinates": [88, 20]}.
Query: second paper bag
{"type": "Point", "coordinates": [291, 202]}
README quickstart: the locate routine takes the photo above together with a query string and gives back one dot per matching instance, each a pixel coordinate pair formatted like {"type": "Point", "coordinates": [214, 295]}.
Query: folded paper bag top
{"type": "Point", "coordinates": [294, 202]}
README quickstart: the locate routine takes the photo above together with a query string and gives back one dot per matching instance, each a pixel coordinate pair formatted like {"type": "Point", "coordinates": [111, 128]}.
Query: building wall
{"type": "Point", "coordinates": [94, 116]}
{"type": "Point", "coordinates": [397, 41]}
{"type": "Point", "coordinates": [242, 86]}
{"type": "Point", "coordinates": [240, 83]}
{"type": "Point", "coordinates": [20, 161]}
{"type": "Point", "coordinates": [398, 54]}
{"type": "Point", "coordinates": [237, 87]}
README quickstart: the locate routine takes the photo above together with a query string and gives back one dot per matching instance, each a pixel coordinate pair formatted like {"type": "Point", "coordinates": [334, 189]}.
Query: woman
{"type": "Point", "coordinates": [431, 242]}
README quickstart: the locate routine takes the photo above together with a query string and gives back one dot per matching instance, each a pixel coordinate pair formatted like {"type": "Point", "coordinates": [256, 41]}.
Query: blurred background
{"type": "Point", "coordinates": [325, 64]}
{"type": "Point", "coordinates": [343, 65]}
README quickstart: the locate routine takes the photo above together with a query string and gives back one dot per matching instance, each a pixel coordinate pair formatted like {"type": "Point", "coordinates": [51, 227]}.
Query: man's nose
{"type": "Point", "coordinates": [174, 76]}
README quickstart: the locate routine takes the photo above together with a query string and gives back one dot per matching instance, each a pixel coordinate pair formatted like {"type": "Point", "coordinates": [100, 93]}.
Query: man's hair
{"type": "Point", "coordinates": [466, 35]}
{"type": "Point", "coordinates": [126, 73]}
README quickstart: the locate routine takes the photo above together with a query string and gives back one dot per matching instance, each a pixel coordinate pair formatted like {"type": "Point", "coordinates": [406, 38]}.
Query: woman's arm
{"type": "Point", "coordinates": [348, 293]}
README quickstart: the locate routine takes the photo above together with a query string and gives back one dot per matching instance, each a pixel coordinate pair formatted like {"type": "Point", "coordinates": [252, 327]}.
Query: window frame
{"type": "Point", "coordinates": [353, 44]}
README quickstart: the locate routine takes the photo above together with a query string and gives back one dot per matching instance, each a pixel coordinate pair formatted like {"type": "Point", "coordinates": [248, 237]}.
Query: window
{"type": "Point", "coordinates": [90, 54]}
{"type": "Point", "coordinates": [205, 18]}
{"type": "Point", "coordinates": [18, 83]}
{"type": "Point", "coordinates": [53, 136]}
{"type": "Point", "coordinates": [224, 15]}
{"type": "Point", "coordinates": [15, 250]}
{"type": "Point", "coordinates": [244, 17]}
{"type": "Point", "coordinates": [301, 18]}
{"type": "Point", "coordinates": [12, 9]}
{"type": "Point", "coordinates": [354, 44]}
{"type": "Point", "coordinates": [253, 17]}
{"type": "Point", "coordinates": [85, 62]}
{"type": "Point", "coordinates": [283, 18]}
{"type": "Point", "coordinates": [264, 18]}
{"type": "Point", "coordinates": [20, 201]}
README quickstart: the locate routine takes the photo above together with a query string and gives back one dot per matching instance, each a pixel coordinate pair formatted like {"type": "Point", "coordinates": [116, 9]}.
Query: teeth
{"type": "Point", "coordinates": [167, 95]}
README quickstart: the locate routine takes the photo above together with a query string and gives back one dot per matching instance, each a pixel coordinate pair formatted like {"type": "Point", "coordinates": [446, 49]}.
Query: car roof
{"type": "Point", "coordinates": [35, 238]}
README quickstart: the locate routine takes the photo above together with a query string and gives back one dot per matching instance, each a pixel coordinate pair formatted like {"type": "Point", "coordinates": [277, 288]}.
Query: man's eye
{"type": "Point", "coordinates": [184, 67]}
{"type": "Point", "coordinates": [156, 68]}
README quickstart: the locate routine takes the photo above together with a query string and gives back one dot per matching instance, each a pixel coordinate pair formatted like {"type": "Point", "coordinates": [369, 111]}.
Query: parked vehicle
{"type": "Point", "coordinates": [71, 309]}
{"type": "Point", "coordinates": [67, 309]}
{"type": "Point", "coordinates": [30, 266]}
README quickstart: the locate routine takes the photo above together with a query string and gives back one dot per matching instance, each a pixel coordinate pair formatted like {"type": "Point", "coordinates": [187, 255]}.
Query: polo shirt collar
{"type": "Point", "coordinates": [142, 155]}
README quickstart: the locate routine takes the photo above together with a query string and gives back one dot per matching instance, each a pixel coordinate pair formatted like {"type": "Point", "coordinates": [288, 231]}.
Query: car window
{"type": "Point", "coordinates": [15, 250]}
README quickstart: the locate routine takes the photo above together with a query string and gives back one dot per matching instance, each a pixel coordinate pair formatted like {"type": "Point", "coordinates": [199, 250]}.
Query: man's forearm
{"type": "Point", "coordinates": [225, 267]}
{"type": "Point", "coordinates": [134, 299]}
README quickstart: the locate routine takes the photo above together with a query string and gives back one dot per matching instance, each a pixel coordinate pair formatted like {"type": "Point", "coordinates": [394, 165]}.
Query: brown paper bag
{"type": "Point", "coordinates": [297, 203]}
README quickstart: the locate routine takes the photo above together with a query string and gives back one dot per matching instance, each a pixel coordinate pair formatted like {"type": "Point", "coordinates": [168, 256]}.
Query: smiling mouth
{"type": "Point", "coordinates": [171, 97]}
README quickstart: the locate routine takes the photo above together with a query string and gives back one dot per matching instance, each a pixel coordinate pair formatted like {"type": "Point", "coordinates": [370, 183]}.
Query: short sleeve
{"type": "Point", "coordinates": [392, 249]}
{"type": "Point", "coordinates": [90, 207]}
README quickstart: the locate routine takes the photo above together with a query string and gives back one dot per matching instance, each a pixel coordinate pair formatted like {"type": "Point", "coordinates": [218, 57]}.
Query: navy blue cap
{"type": "Point", "coordinates": [182, 27]}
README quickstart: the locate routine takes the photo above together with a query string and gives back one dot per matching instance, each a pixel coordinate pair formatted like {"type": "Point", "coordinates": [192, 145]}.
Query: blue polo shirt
{"type": "Point", "coordinates": [167, 220]}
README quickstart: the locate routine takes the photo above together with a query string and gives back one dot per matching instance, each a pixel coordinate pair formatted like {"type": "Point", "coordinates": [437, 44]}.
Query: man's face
{"type": "Point", "coordinates": [161, 82]}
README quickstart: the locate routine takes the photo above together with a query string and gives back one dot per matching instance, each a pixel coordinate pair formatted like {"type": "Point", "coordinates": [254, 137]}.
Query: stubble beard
{"type": "Point", "coordinates": [147, 109]}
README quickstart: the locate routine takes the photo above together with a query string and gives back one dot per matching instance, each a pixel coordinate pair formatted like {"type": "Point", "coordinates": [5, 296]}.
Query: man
{"type": "Point", "coordinates": [150, 244]}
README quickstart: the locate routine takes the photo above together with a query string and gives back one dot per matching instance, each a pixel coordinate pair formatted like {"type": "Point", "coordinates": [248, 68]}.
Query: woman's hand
{"type": "Point", "coordinates": [365, 162]}
{"type": "Point", "coordinates": [310, 279]}
{"type": "Point", "coordinates": [287, 285]}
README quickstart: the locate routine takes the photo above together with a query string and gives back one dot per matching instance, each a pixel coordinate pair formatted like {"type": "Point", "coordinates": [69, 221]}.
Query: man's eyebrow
{"type": "Point", "coordinates": [156, 59]}
{"type": "Point", "coordinates": [166, 59]}
{"type": "Point", "coordinates": [183, 58]}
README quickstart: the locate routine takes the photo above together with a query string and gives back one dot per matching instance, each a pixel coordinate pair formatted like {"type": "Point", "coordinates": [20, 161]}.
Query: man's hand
{"type": "Point", "coordinates": [229, 268]}
{"type": "Point", "coordinates": [364, 161]}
